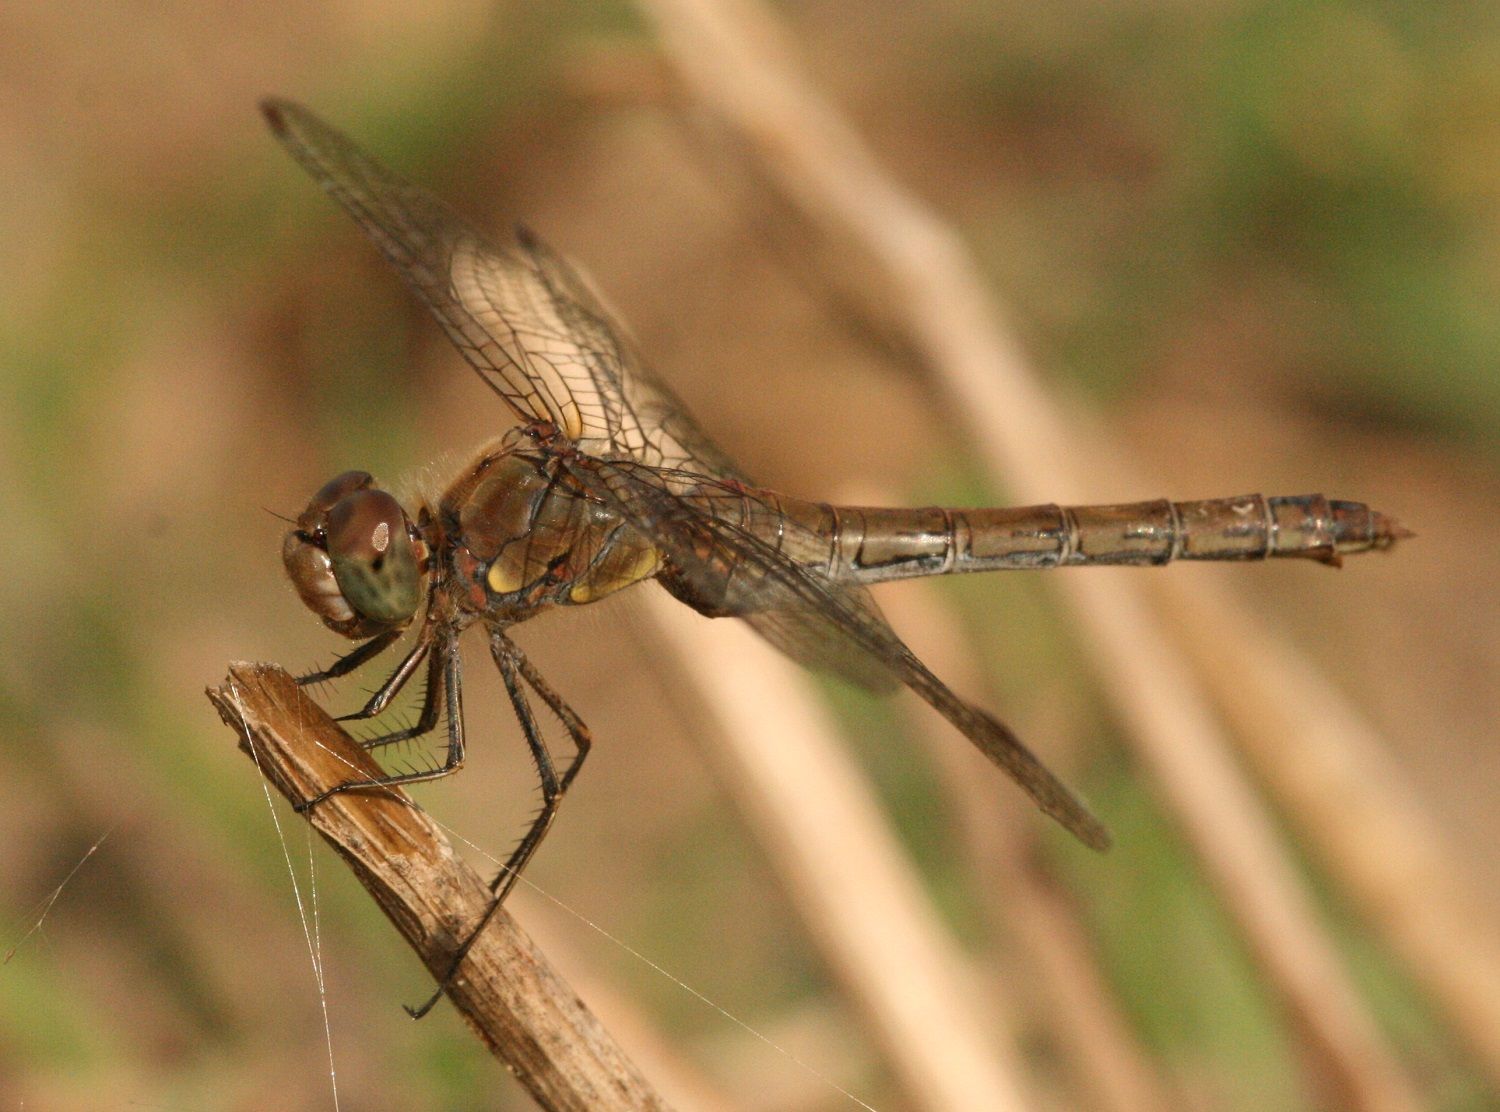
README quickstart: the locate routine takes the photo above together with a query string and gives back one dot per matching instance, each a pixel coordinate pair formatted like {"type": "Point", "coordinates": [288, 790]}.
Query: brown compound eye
{"type": "Point", "coordinates": [330, 494]}
{"type": "Point", "coordinates": [351, 558]}
{"type": "Point", "coordinates": [372, 556]}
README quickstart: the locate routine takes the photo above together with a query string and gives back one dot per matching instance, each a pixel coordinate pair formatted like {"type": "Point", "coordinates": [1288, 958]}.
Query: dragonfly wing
{"type": "Point", "coordinates": [525, 319]}
{"type": "Point", "coordinates": [643, 418]}
{"type": "Point", "coordinates": [755, 580]}
{"type": "Point", "coordinates": [807, 638]}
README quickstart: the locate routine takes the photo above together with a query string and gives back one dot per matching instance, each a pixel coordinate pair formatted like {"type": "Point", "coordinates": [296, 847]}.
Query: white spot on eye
{"type": "Point", "coordinates": [381, 538]}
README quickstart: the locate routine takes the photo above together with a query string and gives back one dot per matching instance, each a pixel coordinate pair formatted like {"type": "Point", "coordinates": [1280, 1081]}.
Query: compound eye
{"type": "Point", "coordinates": [371, 554]}
{"type": "Point", "coordinates": [331, 493]}
{"type": "Point", "coordinates": [311, 573]}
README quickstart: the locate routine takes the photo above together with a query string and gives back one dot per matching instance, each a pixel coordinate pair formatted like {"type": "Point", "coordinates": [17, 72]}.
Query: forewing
{"type": "Point", "coordinates": [523, 318]}
{"type": "Point", "coordinates": [767, 583]}
{"type": "Point", "coordinates": [644, 419]}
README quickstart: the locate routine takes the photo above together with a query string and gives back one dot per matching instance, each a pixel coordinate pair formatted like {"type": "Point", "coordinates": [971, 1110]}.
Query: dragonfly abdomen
{"type": "Point", "coordinates": [872, 545]}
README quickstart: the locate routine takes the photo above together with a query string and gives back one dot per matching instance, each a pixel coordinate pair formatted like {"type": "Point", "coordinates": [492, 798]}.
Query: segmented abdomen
{"type": "Point", "coordinates": [870, 545]}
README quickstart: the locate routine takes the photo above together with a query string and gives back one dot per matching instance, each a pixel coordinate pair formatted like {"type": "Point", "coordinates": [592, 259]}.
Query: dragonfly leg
{"type": "Point", "coordinates": [427, 719]}
{"type": "Point", "coordinates": [353, 659]}
{"type": "Point", "coordinates": [578, 733]}
{"type": "Point", "coordinates": [514, 667]}
{"type": "Point", "coordinates": [446, 659]}
{"type": "Point", "coordinates": [381, 697]}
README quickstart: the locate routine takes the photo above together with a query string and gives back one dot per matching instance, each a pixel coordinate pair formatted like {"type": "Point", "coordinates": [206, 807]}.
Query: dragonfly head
{"type": "Point", "coordinates": [354, 558]}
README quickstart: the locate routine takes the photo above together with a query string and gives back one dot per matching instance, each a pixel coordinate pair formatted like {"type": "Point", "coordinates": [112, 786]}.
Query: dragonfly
{"type": "Point", "coordinates": [601, 480]}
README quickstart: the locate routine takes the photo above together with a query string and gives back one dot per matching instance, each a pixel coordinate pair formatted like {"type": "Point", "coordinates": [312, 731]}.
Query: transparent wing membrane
{"type": "Point", "coordinates": [522, 317]}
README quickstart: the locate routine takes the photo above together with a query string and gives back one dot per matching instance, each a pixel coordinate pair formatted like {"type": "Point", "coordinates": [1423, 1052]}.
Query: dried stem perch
{"type": "Point", "coordinates": [515, 1002]}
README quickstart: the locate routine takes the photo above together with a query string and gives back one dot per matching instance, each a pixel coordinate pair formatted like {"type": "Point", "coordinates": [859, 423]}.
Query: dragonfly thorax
{"type": "Point", "coordinates": [528, 537]}
{"type": "Point", "coordinates": [355, 559]}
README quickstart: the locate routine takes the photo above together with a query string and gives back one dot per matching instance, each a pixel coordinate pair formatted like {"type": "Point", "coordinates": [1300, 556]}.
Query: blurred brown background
{"type": "Point", "coordinates": [1262, 239]}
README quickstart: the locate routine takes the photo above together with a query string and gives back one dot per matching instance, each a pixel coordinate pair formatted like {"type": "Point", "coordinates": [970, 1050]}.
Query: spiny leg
{"type": "Point", "coordinates": [427, 718]}
{"type": "Point", "coordinates": [381, 697]}
{"type": "Point", "coordinates": [512, 661]}
{"type": "Point", "coordinates": [514, 667]}
{"type": "Point", "coordinates": [446, 656]}
{"type": "Point", "coordinates": [578, 733]}
{"type": "Point", "coordinates": [353, 659]}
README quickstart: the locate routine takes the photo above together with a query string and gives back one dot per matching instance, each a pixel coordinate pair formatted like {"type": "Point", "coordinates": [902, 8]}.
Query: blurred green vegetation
{"type": "Point", "coordinates": [1329, 165]}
